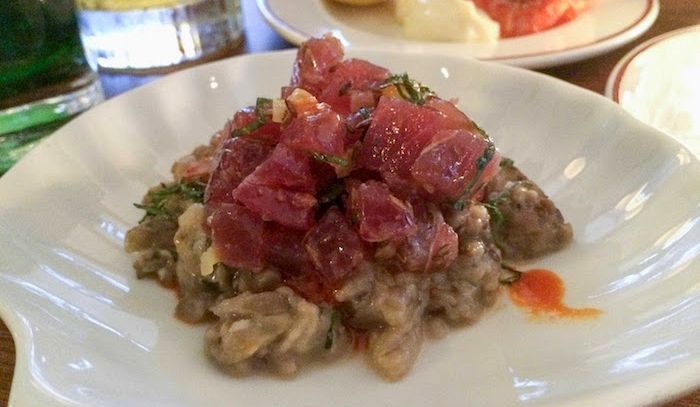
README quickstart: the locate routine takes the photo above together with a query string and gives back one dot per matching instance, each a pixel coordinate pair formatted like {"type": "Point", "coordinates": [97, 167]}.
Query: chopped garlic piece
{"type": "Point", "coordinates": [445, 20]}
{"type": "Point", "coordinates": [279, 110]}
{"type": "Point", "coordinates": [301, 101]}
{"type": "Point", "coordinates": [208, 261]}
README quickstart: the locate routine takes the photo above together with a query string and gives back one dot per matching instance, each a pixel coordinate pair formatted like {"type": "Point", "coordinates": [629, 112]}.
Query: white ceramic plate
{"type": "Point", "coordinates": [88, 333]}
{"type": "Point", "coordinates": [608, 24]}
{"type": "Point", "coordinates": [657, 82]}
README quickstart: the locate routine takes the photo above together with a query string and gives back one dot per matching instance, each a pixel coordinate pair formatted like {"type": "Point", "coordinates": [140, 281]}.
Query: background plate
{"type": "Point", "coordinates": [607, 25]}
{"type": "Point", "coordinates": [88, 333]}
{"type": "Point", "coordinates": [657, 83]}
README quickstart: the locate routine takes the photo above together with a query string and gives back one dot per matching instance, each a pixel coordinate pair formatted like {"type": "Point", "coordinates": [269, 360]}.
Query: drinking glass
{"type": "Point", "coordinates": [147, 35]}
{"type": "Point", "coordinates": [44, 76]}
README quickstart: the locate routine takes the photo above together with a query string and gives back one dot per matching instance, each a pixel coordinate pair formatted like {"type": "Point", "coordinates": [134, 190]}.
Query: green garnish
{"type": "Point", "coordinates": [329, 333]}
{"type": "Point", "coordinates": [330, 159]}
{"type": "Point", "coordinates": [492, 207]}
{"type": "Point", "coordinates": [409, 89]}
{"type": "Point", "coordinates": [263, 107]}
{"type": "Point", "coordinates": [481, 164]}
{"type": "Point", "coordinates": [190, 190]}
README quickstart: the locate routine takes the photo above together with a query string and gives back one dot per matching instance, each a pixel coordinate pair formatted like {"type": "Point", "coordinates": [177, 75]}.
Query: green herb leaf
{"type": "Point", "coordinates": [330, 159]}
{"type": "Point", "coordinates": [156, 200]}
{"type": "Point", "coordinates": [481, 163]}
{"type": "Point", "coordinates": [263, 108]}
{"type": "Point", "coordinates": [409, 89]}
{"type": "Point", "coordinates": [330, 333]}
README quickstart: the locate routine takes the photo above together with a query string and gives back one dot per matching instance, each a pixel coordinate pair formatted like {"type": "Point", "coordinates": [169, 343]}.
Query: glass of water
{"type": "Point", "coordinates": [147, 35]}
{"type": "Point", "coordinates": [44, 76]}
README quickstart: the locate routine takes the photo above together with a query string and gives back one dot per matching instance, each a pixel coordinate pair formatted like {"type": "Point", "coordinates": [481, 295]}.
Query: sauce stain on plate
{"type": "Point", "coordinates": [541, 293]}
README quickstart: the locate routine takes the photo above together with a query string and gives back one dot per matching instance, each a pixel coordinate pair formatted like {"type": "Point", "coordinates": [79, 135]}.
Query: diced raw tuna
{"type": "Point", "coordinates": [350, 85]}
{"type": "Point", "coordinates": [380, 215]}
{"type": "Point", "coordinates": [398, 133]}
{"type": "Point", "coordinates": [320, 132]}
{"type": "Point", "coordinates": [448, 166]}
{"type": "Point", "coordinates": [315, 58]}
{"type": "Point", "coordinates": [288, 208]}
{"type": "Point", "coordinates": [235, 160]}
{"type": "Point", "coordinates": [286, 168]}
{"type": "Point", "coordinates": [433, 247]}
{"type": "Point", "coordinates": [452, 117]}
{"type": "Point", "coordinates": [237, 236]}
{"type": "Point", "coordinates": [334, 248]}
{"type": "Point", "coordinates": [284, 248]}
{"type": "Point", "coordinates": [268, 132]}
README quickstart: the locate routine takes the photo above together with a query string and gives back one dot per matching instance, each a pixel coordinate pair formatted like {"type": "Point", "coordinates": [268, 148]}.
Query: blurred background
{"type": "Point", "coordinates": [51, 51]}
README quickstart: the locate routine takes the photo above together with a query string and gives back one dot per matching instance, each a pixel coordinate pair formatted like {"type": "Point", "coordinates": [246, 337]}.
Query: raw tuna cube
{"type": "Point", "coordinates": [236, 235]}
{"type": "Point", "coordinates": [333, 247]}
{"type": "Point", "coordinates": [350, 85]}
{"type": "Point", "coordinates": [319, 132]}
{"type": "Point", "coordinates": [268, 132]}
{"type": "Point", "coordinates": [398, 133]}
{"type": "Point", "coordinates": [448, 166]}
{"type": "Point", "coordinates": [433, 247]}
{"type": "Point", "coordinates": [315, 58]}
{"type": "Point", "coordinates": [288, 208]}
{"type": "Point", "coordinates": [235, 160]}
{"type": "Point", "coordinates": [284, 249]}
{"type": "Point", "coordinates": [286, 168]}
{"type": "Point", "coordinates": [380, 215]}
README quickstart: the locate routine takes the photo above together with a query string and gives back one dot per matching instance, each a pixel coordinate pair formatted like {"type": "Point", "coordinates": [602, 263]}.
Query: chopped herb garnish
{"type": "Point", "coordinates": [481, 164]}
{"type": "Point", "coordinates": [492, 207]}
{"type": "Point", "coordinates": [156, 200]}
{"type": "Point", "coordinates": [330, 159]}
{"type": "Point", "coordinates": [495, 214]}
{"type": "Point", "coordinates": [330, 332]}
{"type": "Point", "coordinates": [409, 89]}
{"type": "Point", "coordinates": [509, 275]}
{"type": "Point", "coordinates": [263, 108]}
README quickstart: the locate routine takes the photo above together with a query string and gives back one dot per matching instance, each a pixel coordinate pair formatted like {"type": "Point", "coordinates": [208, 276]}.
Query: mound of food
{"type": "Point", "coordinates": [358, 211]}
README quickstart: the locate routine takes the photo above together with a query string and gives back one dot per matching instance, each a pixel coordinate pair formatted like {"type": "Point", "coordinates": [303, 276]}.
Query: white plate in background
{"type": "Point", "coordinates": [658, 82]}
{"type": "Point", "coordinates": [608, 24]}
{"type": "Point", "coordinates": [89, 334]}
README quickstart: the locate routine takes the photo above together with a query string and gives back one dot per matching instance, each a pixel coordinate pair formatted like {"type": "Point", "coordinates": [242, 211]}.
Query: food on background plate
{"type": "Point", "coordinates": [445, 20]}
{"type": "Point", "coordinates": [522, 17]}
{"type": "Point", "coordinates": [356, 212]}
{"type": "Point", "coordinates": [479, 20]}
{"type": "Point", "coordinates": [360, 2]}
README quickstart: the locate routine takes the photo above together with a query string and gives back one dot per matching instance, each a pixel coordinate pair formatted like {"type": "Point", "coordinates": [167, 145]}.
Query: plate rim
{"type": "Point", "coordinates": [528, 60]}
{"type": "Point", "coordinates": [612, 85]}
{"type": "Point", "coordinates": [19, 326]}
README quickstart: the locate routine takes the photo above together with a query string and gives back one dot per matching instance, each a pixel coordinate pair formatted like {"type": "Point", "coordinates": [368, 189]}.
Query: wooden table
{"type": "Point", "coordinates": [591, 74]}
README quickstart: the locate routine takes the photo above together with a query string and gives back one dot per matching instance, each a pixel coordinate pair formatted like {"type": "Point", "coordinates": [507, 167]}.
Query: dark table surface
{"type": "Point", "coordinates": [591, 74]}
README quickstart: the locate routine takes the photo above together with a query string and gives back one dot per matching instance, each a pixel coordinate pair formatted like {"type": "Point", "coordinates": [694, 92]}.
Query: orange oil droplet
{"type": "Point", "coordinates": [541, 292]}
